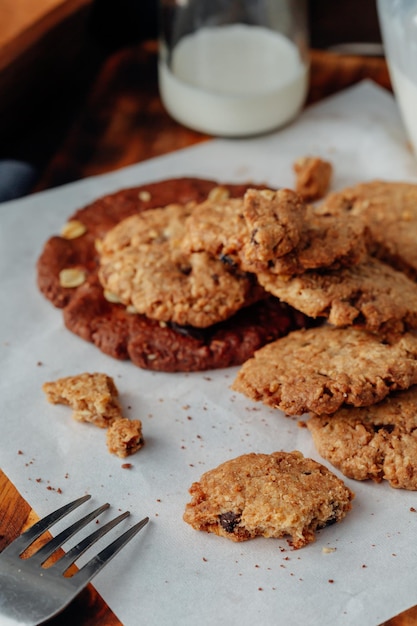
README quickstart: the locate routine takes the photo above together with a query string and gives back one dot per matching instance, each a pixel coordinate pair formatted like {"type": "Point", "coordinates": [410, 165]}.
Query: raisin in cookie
{"type": "Point", "coordinates": [372, 295]}
{"type": "Point", "coordinates": [67, 275]}
{"type": "Point", "coordinates": [377, 442]}
{"type": "Point", "coordinates": [268, 495]}
{"type": "Point", "coordinates": [322, 369]}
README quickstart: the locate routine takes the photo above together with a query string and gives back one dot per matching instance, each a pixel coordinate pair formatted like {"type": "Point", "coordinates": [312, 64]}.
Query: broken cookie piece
{"type": "Point", "coordinates": [93, 397]}
{"type": "Point", "coordinates": [268, 495]}
{"type": "Point", "coordinates": [124, 437]}
{"type": "Point", "coordinates": [275, 232]}
{"type": "Point", "coordinates": [274, 220]}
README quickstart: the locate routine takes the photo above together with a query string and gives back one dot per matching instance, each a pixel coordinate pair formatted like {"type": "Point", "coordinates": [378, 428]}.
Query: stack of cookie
{"type": "Point", "coordinates": [355, 373]}
{"type": "Point", "coordinates": [124, 281]}
{"type": "Point", "coordinates": [187, 275]}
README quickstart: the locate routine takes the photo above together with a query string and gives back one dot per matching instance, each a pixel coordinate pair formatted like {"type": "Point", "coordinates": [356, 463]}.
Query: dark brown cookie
{"type": "Point", "coordinates": [72, 259]}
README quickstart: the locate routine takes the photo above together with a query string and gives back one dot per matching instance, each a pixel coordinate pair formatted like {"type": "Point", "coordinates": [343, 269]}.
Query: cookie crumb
{"type": "Point", "coordinates": [313, 176]}
{"type": "Point", "coordinates": [124, 437]}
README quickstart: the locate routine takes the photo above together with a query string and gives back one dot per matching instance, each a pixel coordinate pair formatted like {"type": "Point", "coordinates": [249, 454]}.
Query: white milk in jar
{"type": "Point", "coordinates": [234, 80]}
{"type": "Point", "coordinates": [406, 93]}
{"type": "Point", "coordinates": [398, 20]}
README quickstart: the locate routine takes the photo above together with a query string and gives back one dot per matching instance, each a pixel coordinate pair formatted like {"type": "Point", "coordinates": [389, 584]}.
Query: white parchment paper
{"type": "Point", "coordinates": [171, 574]}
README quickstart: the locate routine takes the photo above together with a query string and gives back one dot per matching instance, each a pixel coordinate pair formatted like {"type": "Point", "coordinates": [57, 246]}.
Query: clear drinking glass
{"type": "Point", "coordinates": [233, 67]}
{"type": "Point", "coordinates": [398, 20]}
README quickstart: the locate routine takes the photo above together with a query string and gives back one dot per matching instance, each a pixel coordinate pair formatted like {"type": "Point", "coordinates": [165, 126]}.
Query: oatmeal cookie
{"type": "Point", "coordinates": [261, 226]}
{"type": "Point", "coordinates": [124, 437]}
{"type": "Point", "coordinates": [313, 176]}
{"type": "Point", "coordinates": [93, 397]}
{"type": "Point", "coordinates": [322, 369]}
{"type": "Point", "coordinates": [115, 329]}
{"type": "Point", "coordinates": [275, 232]}
{"type": "Point", "coordinates": [142, 265]}
{"type": "Point", "coordinates": [268, 495]}
{"type": "Point", "coordinates": [217, 227]}
{"type": "Point", "coordinates": [371, 294]}
{"type": "Point", "coordinates": [389, 210]}
{"type": "Point", "coordinates": [377, 442]}
{"type": "Point", "coordinates": [326, 241]}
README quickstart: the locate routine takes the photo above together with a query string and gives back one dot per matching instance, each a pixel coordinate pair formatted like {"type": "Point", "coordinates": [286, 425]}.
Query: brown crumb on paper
{"type": "Point", "coordinates": [94, 398]}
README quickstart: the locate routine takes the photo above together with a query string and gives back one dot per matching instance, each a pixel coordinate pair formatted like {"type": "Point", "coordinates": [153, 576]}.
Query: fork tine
{"type": "Point", "coordinates": [72, 555]}
{"type": "Point", "coordinates": [29, 536]}
{"type": "Point", "coordinates": [31, 594]}
{"type": "Point", "coordinates": [49, 548]}
{"type": "Point", "coordinates": [90, 569]}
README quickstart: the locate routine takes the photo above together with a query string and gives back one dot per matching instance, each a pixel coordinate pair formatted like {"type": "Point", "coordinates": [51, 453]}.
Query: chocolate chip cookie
{"type": "Point", "coordinates": [268, 495]}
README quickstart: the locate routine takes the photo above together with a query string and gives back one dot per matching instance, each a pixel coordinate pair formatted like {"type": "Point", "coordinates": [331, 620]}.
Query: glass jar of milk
{"type": "Point", "coordinates": [398, 20]}
{"type": "Point", "coordinates": [233, 67]}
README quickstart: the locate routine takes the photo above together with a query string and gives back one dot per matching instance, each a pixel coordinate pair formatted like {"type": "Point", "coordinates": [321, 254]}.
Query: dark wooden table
{"type": "Point", "coordinates": [123, 122]}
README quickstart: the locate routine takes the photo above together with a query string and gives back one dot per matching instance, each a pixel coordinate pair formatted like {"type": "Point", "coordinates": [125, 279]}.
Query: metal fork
{"type": "Point", "coordinates": [30, 593]}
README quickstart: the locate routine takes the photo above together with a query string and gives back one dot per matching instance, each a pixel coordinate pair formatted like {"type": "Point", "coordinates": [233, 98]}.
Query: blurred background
{"type": "Point", "coordinates": [52, 50]}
